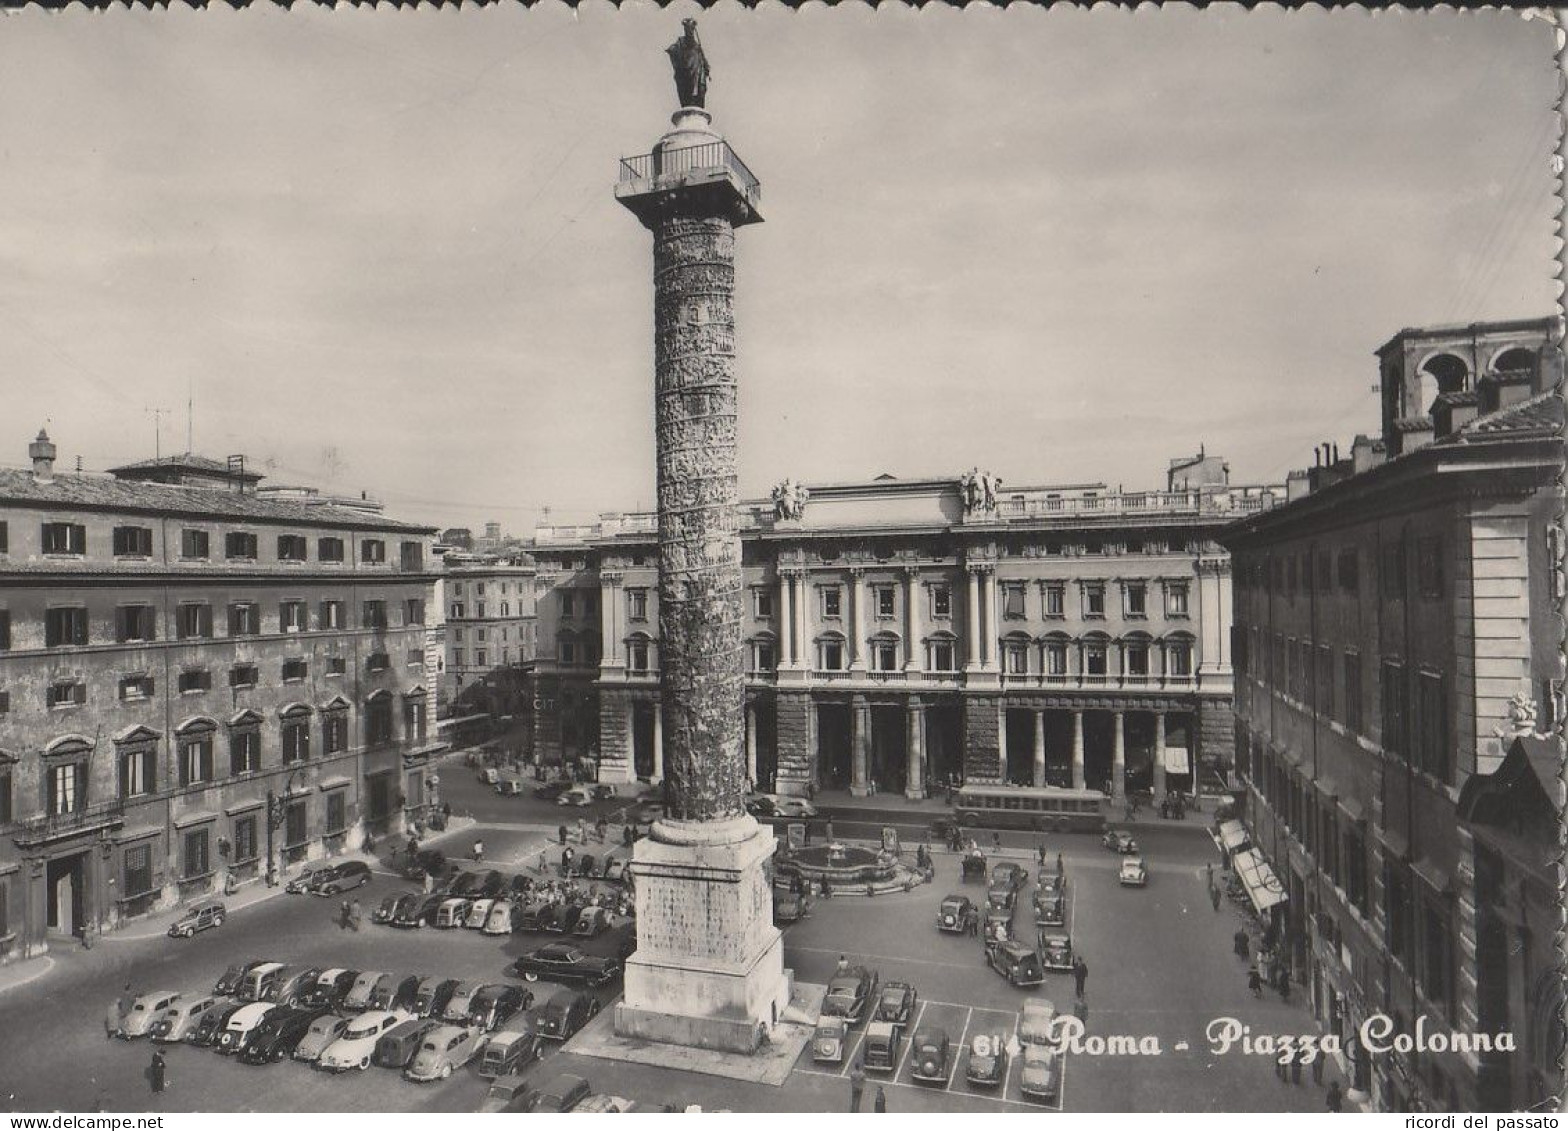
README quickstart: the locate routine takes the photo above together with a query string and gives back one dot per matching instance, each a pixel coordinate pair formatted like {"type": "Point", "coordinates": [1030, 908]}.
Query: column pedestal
{"type": "Point", "coordinates": [1039, 747]}
{"type": "Point", "coordinates": [1119, 759]}
{"type": "Point", "coordinates": [915, 778]}
{"type": "Point", "coordinates": [860, 747]}
{"type": "Point", "coordinates": [1078, 772]}
{"type": "Point", "coordinates": [1159, 755]}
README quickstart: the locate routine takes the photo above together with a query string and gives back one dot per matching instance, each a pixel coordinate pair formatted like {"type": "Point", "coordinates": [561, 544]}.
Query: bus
{"type": "Point", "coordinates": [1043, 808]}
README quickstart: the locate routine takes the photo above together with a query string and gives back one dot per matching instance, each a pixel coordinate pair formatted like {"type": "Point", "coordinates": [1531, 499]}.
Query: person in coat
{"type": "Point", "coordinates": [857, 1084]}
{"type": "Point", "coordinates": [1334, 1099]}
{"type": "Point", "coordinates": [880, 1103]}
{"type": "Point", "coordinates": [157, 1073]}
{"type": "Point", "coordinates": [114, 1019]}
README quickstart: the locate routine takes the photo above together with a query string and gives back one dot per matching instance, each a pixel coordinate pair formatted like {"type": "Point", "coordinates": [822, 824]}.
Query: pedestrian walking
{"type": "Point", "coordinates": [479, 851]}
{"type": "Point", "coordinates": [343, 916]}
{"type": "Point", "coordinates": [828, 831]}
{"type": "Point", "coordinates": [1254, 981]}
{"type": "Point", "coordinates": [353, 914]}
{"type": "Point", "coordinates": [811, 791]}
{"type": "Point", "coordinates": [1281, 1070]}
{"type": "Point", "coordinates": [1060, 871]}
{"type": "Point", "coordinates": [1081, 1010]}
{"type": "Point", "coordinates": [1317, 1069]}
{"type": "Point", "coordinates": [1040, 855]}
{"type": "Point", "coordinates": [114, 1019]}
{"type": "Point", "coordinates": [1241, 942]}
{"type": "Point", "coordinates": [628, 836]}
{"type": "Point", "coordinates": [880, 1103]}
{"type": "Point", "coordinates": [1080, 974]}
{"type": "Point", "coordinates": [1295, 1068]}
{"type": "Point", "coordinates": [1334, 1099]}
{"type": "Point", "coordinates": [1208, 871]}
{"type": "Point", "coordinates": [857, 1083]}
{"type": "Point", "coordinates": [1284, 985]}
{"type": "Point", "coordinates": [157, 1073]}
{"type": "Point", "coordinates": [582, 831]}
{"type": "Point", "coordinates": [561, 832]}
{"type": "Point", "coordinates": [996, 842]}
{"type": "Point", "coordinates": [601, 827]}
{"type": "Point", "coordinates": [843, 966]}
{"type": "Point", "coordinates": [1214, 896]}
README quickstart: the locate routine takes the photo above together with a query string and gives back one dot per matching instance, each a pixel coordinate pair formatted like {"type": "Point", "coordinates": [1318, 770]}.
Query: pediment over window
{"type": "Point", "coordinates": [67, 745]}
{"type": "Point", "coordinates": [135, 734]}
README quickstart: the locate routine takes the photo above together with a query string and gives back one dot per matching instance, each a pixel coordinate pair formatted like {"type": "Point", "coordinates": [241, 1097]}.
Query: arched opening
{"type": "Point", "coordinates": [1517, 359]}
{"type": "Point", "coordinates": [1441, 373]}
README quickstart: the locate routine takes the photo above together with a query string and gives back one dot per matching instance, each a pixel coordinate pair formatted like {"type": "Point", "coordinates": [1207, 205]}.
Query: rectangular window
{"type": "Point", "coordinates": [193, 622]}
{"type": "Point", "coordinates": [245, 843]}
{"type": "Point", "coordinates": [884, 656]}
{"type": "Point", "coordinates": [7, 814]}
{"type": "Point", "coordinates": [134, 622]}
{"type": "Point", "coordinates": [374, 614]}
{"type": "Point", "coordinates": [941, 601]}
{"type": "Point", "coordinates": [337, 812]}
{"type": "Point", "coordinates": [1094, 601]}
{"type": "Point", "coordinates": [411, 556]}
{"type": "Point", "coordinates": [136, 772]}
{"type": "Point", "coordinates": [1436, 960]}
{"type": "Point", "coordinates": [64, 538]}
{"type": "Point", "coordinates": [1356, 870]}
{"type": "Point", "coordinates": [239, 546]}
{"type": "Point", "coordinates": [292, 616]}
{"type": "Point", "coordinates": [137, 871]}
{"type": "Point", "coordinates": [1094, 662]}
{"type": "Point", "coordinates": [1392, 694]}
{"type": "Point", "coordinates": [564, 654]}
{"type": "Point", "coordinates": [832, 656]}
{"type": "Point", "coordinates": [414, 611]}
{"type": "Point", "coordinates": [1056, 601]}
{"type": "Point", "coordinates": [1013, 600]}
{"type": "Point", "coordinates": [590, 604]}
{"type": "Point", "coordinates": [135, 688]}
{"type": "Point", "coordinates": [832, 598]}
{"type": "Point", "coordinates": [380, 661]}
{"type": "Point", "coordinates": [64, 628]}
{"type": "Point", "coordinates": [942, 656]}
{"type": "Point", "coordinates": [296, 741]}
{"type": "Point", "coordinates": [1325, 572]}
{"type": "Point", "coordinates": [1431, 721]}
{"type": "Point", "coordinates": [67, 788]}
{"type": "Point", "coordinates": [334, 732]}
{"type": "Point", "coordinates": [244, 750]}
{"type": "Point", "coordinates": [199, 679]}
{"type": "Point", "coordinates": [1017, 659]}
{"type": "Point", "coordinates": [1137, 661]}
{"type": "Point", "coordinates": [195, 545]}
{"type": "Point", "coordinates": [244, 675]}
{"type": "Point", "coordinates": [1176, 599]}
{"type": "Point", "coordinates": [1178, 661]}
{"type": "Point", "coordinates": [637, 604]}
{"type": "Point", "coordinates": [567, 603]}
{"type": "Point", "coordinates": [372, 551]}
{"type": "Point", "coordinates": [764, 660]}
{"type": "Point", "coordinates": [762, 603]}
{"type": "Point", "coordinates": [481, 658]}
{"type": "Point", "coordinates": [329, 549]}
{"type": "Point", "coordinates": [1055, 656]}
{"type": "Point", "coordinates": [637, 656]}
{"type": "Point", "coordinates": [1325, 687]}
{"type": "Point", "coordinates": [295, 670]}
{"type": "Point", "coordinates": [1352, 700]}
{"type": "Point", "coordinates": [133, 542]}
{"type": "Point", "coordinates": [244, 619]}
{"type": "Point", "coordinates": [337, 665]}
{"type": "Point", "coordinates": [295, 826]}
{"type": "Point", "coordinates": [66, 693]}
{"type": "Point", "coordinates": [1349, 571]}
{"type": "Point", "coordinates": [1429, 567]}
{"type": "Point", "coordinates": [883, 594]}
{"type": "Point", "coordinates": [416, 657]}
{"type": "Point", "coordinates": [196, 760]}
{"type": "Point", "coordinates": [197, 860]}
{"type": "Point", "coordinates": [292, 548]}
{"type": "Point", "coordinates": [457, 611]}
{"type": "Point", "coordinates": [5, 546]}
{"type": "Point", "coordinates": [1137, 600]}
{"type": "Point", "coordinates": [1391, 569]}
{"type": "Point", "coordinates": [5, 630]}
{"type": "Point", "coordinates": [329, 614]}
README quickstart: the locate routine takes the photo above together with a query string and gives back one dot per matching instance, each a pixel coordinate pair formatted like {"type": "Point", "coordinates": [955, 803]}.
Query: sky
{"type": "Point", "coordinates": [378, 250]}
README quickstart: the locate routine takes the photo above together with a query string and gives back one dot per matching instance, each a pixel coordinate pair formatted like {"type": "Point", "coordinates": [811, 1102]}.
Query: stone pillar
{"type": "Point", "coordinates": [972, 627]}
{"type": "Point", "coordinates": [751, 742]}
{"type": "Point", "coordinates": [783, 618]}
{"type": "Point", "coordinates": [658, 742]}
{"type": "Point", "coordinates": [911, 621]}
{"type": "Point", "coordinates": [1078, 770]}
{"type": "Point", "coordinates": [915, 787]}
{"type": "Point", "coordinates": [1159, 754]}
{"type": "Point", "coordinates": [857, 619]}
{"type": "Point", "coordinates": [1039, 746]}
{"type": "Point", "coordinates": [1001, 738]}
{"type": "Point", "coordinates": [1119, 758]}
{"type": "Point", "coordinates": [993, 625]}
{"type": "Point", "coordinates": [803, 650]}
{"type": "Point", "coordinates": [860, 746]}
{"type": "Point", "coordinates": [611, 647]}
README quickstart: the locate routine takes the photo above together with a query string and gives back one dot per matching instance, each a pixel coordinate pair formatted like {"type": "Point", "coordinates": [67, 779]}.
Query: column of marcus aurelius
{"type": "Point", "coordinates": [708, 970]}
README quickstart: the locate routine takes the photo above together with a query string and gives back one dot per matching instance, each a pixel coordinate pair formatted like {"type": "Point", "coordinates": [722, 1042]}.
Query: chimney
{"type": "Point", "coordinates": [41, 452]}
{"type": "Point", "coordinates": [1296, 486]}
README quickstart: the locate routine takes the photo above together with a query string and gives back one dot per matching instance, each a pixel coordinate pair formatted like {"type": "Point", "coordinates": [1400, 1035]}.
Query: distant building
{"type": "Point", "coordinates": [902, 633]}
{"type": "Point", "coordinates": [1398, 696]}
{"type": "Point", "coordinates": [177, 650]}
{"type": "Point", "coordinates": [489, 640]}
{"type": "Point", "coordinates": [458, 536]}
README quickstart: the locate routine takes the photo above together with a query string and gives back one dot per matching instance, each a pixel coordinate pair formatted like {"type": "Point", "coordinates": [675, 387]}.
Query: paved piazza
{"type": "Point", "coordinates": [1160, 963]}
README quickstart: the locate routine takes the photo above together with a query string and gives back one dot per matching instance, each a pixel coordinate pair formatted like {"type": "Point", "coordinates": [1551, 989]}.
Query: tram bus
{"type": "Point", "coordinates": [1043, 808]}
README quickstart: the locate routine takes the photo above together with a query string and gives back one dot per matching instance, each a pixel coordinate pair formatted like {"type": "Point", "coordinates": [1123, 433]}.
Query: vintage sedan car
{"type": "Point", "coordinates": [972, 866]}
{"type": "Point", "coordinates": [1050, 907]}
{"type": "Point", "coordinates": [564, 1013]}
{"type": "Point", "coordinates": [181, 1019]}
{"type": "Point", "coordinates": [292, 983]}
{"type": "Point", "coordinates": [1041, 1078]}
{"type": "Point", "coordinates": [419, 912]}
{"type": "Point", "coordinates": [790, 907]}
{"type": "Point", "coordinates": [1053, 881]}
{"type": "Point", "coordinates": [880, 1051]}
{"type": "Point", "coordinates": [442, 1051]}
{"type": "Point", "coordinates": [357, 1045]}
{"type": "Point", "coordinates": [1036, 1021]}
{"type": "Point", "coordinates": [932, 1051]}
{"type": "Point", "coordinates": [1133, 873]}
{"type": "Point", "coordinates": [344, 877]}
{"type": "Point", "coordinates": [601, 1104]}
{"type": "Point", "coordinates": [591, 921]}
{"type": "Point", "coordinates": [462, 997]}
{"type": "Point", "coordinates": [398, 1044]}
{"type": "Point", "coordinates": [528, 919]}
{"type": "Point", "coordinates": [198, 918]}
{"type": "Point", "coordinates": [954, 913]}
{"type": "Point", "coordinates": [393, 992]}
{"type": "Point", "coordinates": [467, 885]}
{"type": "Point", "coordinates": [494, 1005]}
{"type": "Point", "coordinates": [234, 977]}
{"type": "Point", "coordinates": [830, 1041]}
{"type": "Point", "coordinates": [144, 1011]}
{"type": "Point", "coordinates": [998, 925]}
{"type": "Point", "coordinates": [386, 910]}
{"type": "Point", "coordinates": [241, 1029]}
{"type": "Point", "coordinates": [563, 962]}
{"type": "Point", "coordinates": [279, 1035]}
{"type": "Point", "coordinates": [433, 994]}
{"type": "Point", "coordinates": [775, 805]}
{"type": "Point", "coordinates": [492, 884]}
{"type": "Point", "coordinates": [562, 1092]}
{"type": "Point", "coordinates": [896, 1004]}
{"type": "Point", "coordinates": [500, 919]}
{"type": "Point", "coordinates": [511, 1049]}
{"type": "Point", "coordinates": [478, 913]}
{"type": "Point", "coordinates": [1118, 841]}
{"type": "Point", "coordinates": [1016, 962]}
{"type": "Point", "coordinates": [1056, 950]}
{"type": "Point", "coordinates": [322, 1032]}
{"type": "Point", "coordinates": [212, 1023]}
{"type": "Point", "coordinates": [551, 790]}
{"type": "Point", "coordinates": [1007, 880]}
{"type": "Point", "coordinates": [578, 797]}
{"type": "Point", "coordinates": [989, 1057]}
{"type": "Point", "coordinates": [453, 912]}
{"type": "Point", "coordinates": [308, 875]}
{"type": "Point", "coordinates": [850, 994]}
{"type": "Point", "coordinates": [358, 996]}
{"type": "Point", "coordinates": [331, 987]}
{"type": "Point", "coordinates": [508, 1095]}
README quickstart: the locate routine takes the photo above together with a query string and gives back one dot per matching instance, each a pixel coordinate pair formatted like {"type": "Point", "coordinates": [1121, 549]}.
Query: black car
{"type": "Point", "coordinates": [494, 1005]}
{"type": "Point", "coordinates": [1006, 880]}
{"type": "Point", "coordinates": [466, 886]}
{"type": "Point", "coordinates": [562, 1093]}
{"type": "Point", "coordinates": [850, 994]}
{"type": "Point", "coordinates": [418, 914]}
{"type": "Point", "coordinates": [433, 994]}
{"type": "Point", "coordinates": [396, 995]}
{"type": "Point", "coordinates": [565, 919]}
{"type": "Point", "coordinates": [552, 790]}
{"type": "Point", "coordinates": [563, 962]}
{"type": "Point", "coordinates": [430, 862]}
{"type": "Point", "coordinates": [520, 886]}
{"type": "Point", "coordinates": [492, 885]}
{"type": "Point", "coordinates": [278, 1036]}
{"type": "Point", "coordinates": [211, 1025]}
{"type": "Point", "coordinates": [566, 1012]}
{"type": "Point", "coordinates": [234, 975]}
{"type": "Point", "coordinates": [330, 989]}
{"type": "Point", "coordinates": [341, 878]}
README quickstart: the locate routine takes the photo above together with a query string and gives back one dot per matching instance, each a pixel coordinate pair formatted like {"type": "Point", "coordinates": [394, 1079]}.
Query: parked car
{"type": "Point", "coordinates": [614, 869]}
{"type": "Point", "coordinates": [591, 921]}
{"type": "Point", "coordinates": [931, 1052]}
{"type": "Point", "coordinates": [232, 978]}
{"type": "Point", "coordinates": [551, 790]}
{"type": "Point", "coordinates": [1036, 1019]}
{"type": "Point", "coordinates": [478, 913]}
{"type": "Point", "coordinates": [393, 992]}
{"type": "Point", "coordinates": [500, 919]}
{"type": "Point", "coordinates": [1056, 950]}
{"type": "Point", "coordinates": [830, 1041]}
{"type": "Point", "coordinates": [387, 908]}
{"type": "Point", "coordinates": [430, 862]}
{"type": "Point", "coordinates": [494, 1004]}
{"type": "Point", "coordinates": [144, 1011]}
{"type": "Point", "coordinates": [508, 1095]}
{"type": "Point", "coordinates": [774, 805]}
{"type": "Point", "coordinates": [358, 996]}
{"type": "Point", "coordinates": [492, 884]}
{"type": "Point", "coordinates": [533, 912]}
{"type": "Point", "coordinates": [420, 913]}
{"type": "Point", "coordinates": [564, 1013]}
{"type": "Point", "coordinates": [306, 876]}
{"type": "Point", "coordinates": [509, 785]}
{"type": "Point", "coordinates": [972, 866]}
{"type": "Point", "coordinates": [790, 907]}
{"type": "Point", "coordinates": [882, 1045]}
{"type": "Point", "coordinates": [322, 1032]}
{"type": "Point", "coordinates": [199, 918]}
{"type": "Point", "coordinates": [520, 885]}
{"type": "Point", "coordinates": [433, 994]}
{"type": "Point", "coordinates": [954, 913]}
{"type": "Point", "coordinates": [357, 1045]}
{"type": "Point", "coordinates": [601, 1104]}
{"type": "Point", "coordinates": [397, 1046]}
{"type": "Point", "coordinates": [331, 987]}
{"type": "Point", "coordinates": [1041, 1078]}
{"type": "Point", "coordinates": [181, 1019]}
{"type": "Point", "coordinates": [989, 1058]}
{"type": "Point", "coordinates": [849, 995]}
{"type": "Point", "coordinates": [1133, 873]}
{"type": "Point", "coordinates": [578, 797]}
{"type": "Point", "coordinates": [212, 1023]}
{"type": "Point", "coordinates": [466, 885]}
{"type": "Point", "coordinates": [292, 984]}
{"type": "Point", "coordinates": [1019, 964]}
{"type": "Point", "coordinates": [998, 926]}
{"type": "Point", "coordinates": [511, 1049]}
{"type": "Point", "coordinates": [279, 1035]}
{"type": "Point", "coordinates": [563, 962]}
{"type": "Point", "coordinates": [1050, 907]}
{"type": "Point", "coordinates": [565, 920]}
{"type": "Point", "coordinates": [242, 1027]}
{"type": "Point", "coordinates": [1118, 841]}
{"type": "Point", "coordinates": [258, 983]}
{"type": "Point", "coordinates": [442, 1051]}
{"type": "Point", "coordinates": [1007, 880]}
{"type": "Point", "coordinates": [897, 1003]}
{"type": "Point", "coordinates": [453, 912]}
{"type": "Point", "coordinates": [457, 1005]}
{"type": "Point", "coordinates": [344, 877]}
{"type": "Point", "coordinates": [562, 1092]}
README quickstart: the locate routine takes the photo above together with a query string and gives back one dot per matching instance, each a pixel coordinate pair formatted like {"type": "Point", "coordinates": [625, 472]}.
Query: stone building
{"type": "Point", "coordinates": [176, 652]}
{"type": "Point", "coordinates": [900, 633]}
{"type": "Point", "coordinates": [1395, 630]}
{"type": "Point", "coordinates": [489, 641]}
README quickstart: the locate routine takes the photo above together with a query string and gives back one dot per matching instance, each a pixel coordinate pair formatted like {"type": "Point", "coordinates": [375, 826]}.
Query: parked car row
{"type": "Point", "coordinates": [329, 879]}
{"type": "Point", "coordinates": [497, 915]}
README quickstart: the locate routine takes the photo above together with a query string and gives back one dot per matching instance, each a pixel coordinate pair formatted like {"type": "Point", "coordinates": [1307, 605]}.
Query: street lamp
{"type": "Point", "coordinates": [277, 814]}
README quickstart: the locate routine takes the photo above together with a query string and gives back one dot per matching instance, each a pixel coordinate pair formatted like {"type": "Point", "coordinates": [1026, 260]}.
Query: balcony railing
{"type": "Point", "coordinates": [57, 826]}
{"type": "Point", "coordinates": [690, 159]}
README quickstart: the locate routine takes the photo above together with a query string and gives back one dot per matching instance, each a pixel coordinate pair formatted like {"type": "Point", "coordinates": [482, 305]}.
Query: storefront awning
{"type": "Point", "coordinates": [1262, 885]}
{"type": "Point", "coordinates": [1233, 835]}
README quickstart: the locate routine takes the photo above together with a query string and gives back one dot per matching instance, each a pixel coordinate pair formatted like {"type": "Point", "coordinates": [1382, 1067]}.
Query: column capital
{"type": "Point", "coordinates": [914, 703]}
{"type": "Point", "coordinates": [980, 568]}
{"type": "Point", "coordinates": [611, 577]}
{"type": "Point", "coordinates": [857, 572]}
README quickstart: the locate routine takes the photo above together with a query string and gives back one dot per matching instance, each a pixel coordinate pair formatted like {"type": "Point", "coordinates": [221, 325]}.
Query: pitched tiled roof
{"type": "Point", "coordinates": [1543, 413]}
{"type": "Point", "coordinates": [187, 460]}
{"type": "Point", "coordinates": [100, 493]}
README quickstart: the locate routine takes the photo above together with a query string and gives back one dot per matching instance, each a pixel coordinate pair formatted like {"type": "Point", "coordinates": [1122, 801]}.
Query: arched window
{"type": "Point", "coordinates": [830, 652]}
{"type": "Point", "coordinates": [763, 653]}
{"type": "Point", "coordinates": [378, 719]}
{"type": "Point", "coordinates": [1516, 359]}
{"type": "Point", "coordinates": [245, 742]}
{"type": "Point", "coordinates": [1135, 657]}
{"type": "Point", "coordinates": [1441, 373]}
{"type": "Point", "coordinates": [334, 725]}
{"type": "Point", "coordinates": [1096, 649]}
{"type": "Point", "coordinates": [942, 652]}
{"type": "Point", "coordinates": [1178, 655]}
{"type": "Point", "coordinates": [639, 653]}
{"type": "Point", "coordinates": [1015, 653]}
{"type": "Point", "coordinates": [414, 725]}
{"type": "Point", "coordinates": [1053, 656]}
{"type": "Point", "coordinates": [885, 647]}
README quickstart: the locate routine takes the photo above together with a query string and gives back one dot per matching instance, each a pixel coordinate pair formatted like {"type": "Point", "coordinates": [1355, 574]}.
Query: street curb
{"type": "Point", "coordinates": [47, 963]}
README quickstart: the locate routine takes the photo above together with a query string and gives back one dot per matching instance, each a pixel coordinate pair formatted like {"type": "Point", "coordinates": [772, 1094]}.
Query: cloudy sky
{"type": "Point", "coordinates": [380, 250]}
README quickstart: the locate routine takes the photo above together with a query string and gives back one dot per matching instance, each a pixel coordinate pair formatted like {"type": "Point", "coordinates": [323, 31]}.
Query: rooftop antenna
{"type": "Point", "coordinates": [190, 415]}
{"type": "Point", "coordinates": [157, 430]}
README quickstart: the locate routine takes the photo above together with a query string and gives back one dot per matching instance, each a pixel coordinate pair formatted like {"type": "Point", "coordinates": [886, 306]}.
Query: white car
{"type": "Point", "coordinates": [478, 913]}
{"type": "Point", "coordinates": [500, 919]}
{"type": "Point", "coordinates": [358, 1043]}
{"type": "Point", "coordinates": [1133, 873]}
{"type": "Point", "coordinates": [322, 1032]}
{"type": "Point", "coordinates": [145, 1010]}
{"type": "Point", "coordinates": [180, 1019]}
{"type": "Point", "coordinates": [442, 1050]}
{"type": "Point", "coordinates": [577, 797]}
{"type": "Point", "coordinates": [1035, 1022]}
{"type": "Point", "coordinates": [242, 1025]}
